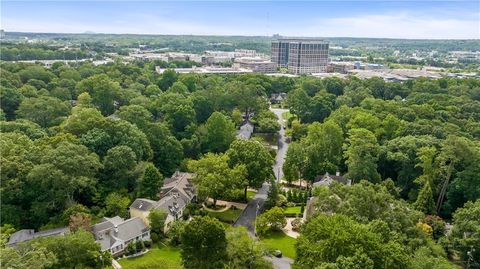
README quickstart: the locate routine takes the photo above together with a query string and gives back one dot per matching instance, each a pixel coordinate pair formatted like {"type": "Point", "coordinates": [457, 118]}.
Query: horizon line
{"type": "Point", "coordinates": [233, 35]}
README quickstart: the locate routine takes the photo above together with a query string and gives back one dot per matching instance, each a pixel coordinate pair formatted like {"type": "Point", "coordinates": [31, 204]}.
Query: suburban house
{"type": "Point", "coordinates": [245, 131]}
{"type": "Point", "coordinates": [28, 234]}
{"type": "Point", "coordinates": [177, 192]}
{"type": "Point", "coordinates": [277, 98]}
{"type": "Point", "coordinates": [323, 180]}
{"type": "Point", "coordinates": [327, 180]}
{"type": "Point", "coordinates": [114, 234]}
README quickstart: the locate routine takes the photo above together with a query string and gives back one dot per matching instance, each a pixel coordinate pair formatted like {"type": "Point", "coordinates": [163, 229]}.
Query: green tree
{"type": "Point", "coordinates": [43, 110]}
{"type": "Point", "coordinates": [272, 220]}
{"type": "Point", "coordinates": [253, 155]}
{"type": "Point", "coordinates": [10, 99]}
{"type": "Point", "coordinates": [323, 149]}
{"type": "Point", "coordinates": [361, 153]}
{"type": "Point", "coordinates": [424, 202]}
{"type": "Point", "coordinates": [294, 166]}
{"type": "Point", "coordinates": [75, 250]}
{"type": "Point", "coordinates": [243, 252]}
{"type": "Point", "coordinates": [35, 72]}
{"type": "Point", "coordinates": [32, 256]}
{"type": "Point", "coordinates": [204, 244]}
{"type": "Point", "coordinates": [220, 133]}
{"type": "Point", "coordinates": [119, 164]}
{"type": "Point", "coordinates": [157, 218]}
{"type": "Point", "coordinates": [135, 114]}
{"type": "Point", "coordinates": [340, 240]}
{"type": "Point", "coordinates": [150, 183]}
{"type": "Point", "coordinates": [82, 120]}
{"type": "Point", "coordinates": [102, 90]}
{"type": "Point", "coordinates": [214, 178]}
{"type": "Point", "coordinates": [167, 79]}
{"type": "Point", "coordinates": [117, 204]}
{"type": "Point", "coordinates": [466, 231]}
{"type": "Point", "coordinates": [176, 109]}
{"type": "Point", "coordinates": [167, 150]}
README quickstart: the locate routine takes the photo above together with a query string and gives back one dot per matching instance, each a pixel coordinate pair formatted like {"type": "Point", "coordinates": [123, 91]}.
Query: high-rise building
{"type": "Point", "coordinates": [301, 56]}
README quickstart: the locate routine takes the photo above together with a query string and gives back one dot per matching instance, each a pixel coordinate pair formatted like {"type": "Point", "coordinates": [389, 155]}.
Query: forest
{"type": "Point", "coordinates": [94, 138]}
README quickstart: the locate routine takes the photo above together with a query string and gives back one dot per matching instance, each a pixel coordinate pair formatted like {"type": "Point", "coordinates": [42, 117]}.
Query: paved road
{"type": "Point", "coordinates": [247, 218]}
{"type": "Point", "coordinates": [282, 144]}
{"type": "Point", "coordinates": [281, 263]}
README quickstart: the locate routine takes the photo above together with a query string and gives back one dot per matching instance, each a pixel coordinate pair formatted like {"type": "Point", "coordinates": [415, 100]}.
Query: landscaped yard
{"type": "Point", "coordinates": [281, 241]}
{"type": "Point", "coordinates": [228, 216]}
{"type": "Point", "coordinates": [250, 194]}
{"type": "Point", "coordinates": [164, 257]}
{"type": "Point", "coordinates": [286, 115]}
{"type": "Point", "coordinates": [293, 210]}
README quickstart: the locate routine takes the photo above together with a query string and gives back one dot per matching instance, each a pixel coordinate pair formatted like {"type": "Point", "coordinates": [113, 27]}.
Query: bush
{"type": "Point", "coordinates": [282, 200]}
{"type": "Point", "coordinates": [273, 219]}
{"type": "Point", "coordinates": [147, 244]}
{"type": "Point", "coordinates": [139, 245]}
{"type": "Point", "coordinates": [131, 248]}
{"type": "Point", "coordinates": [296, 224]}
{"type": "Point", "coordinates": [290, 204]}
{"type": "Point", "coordinates": [154, 237]}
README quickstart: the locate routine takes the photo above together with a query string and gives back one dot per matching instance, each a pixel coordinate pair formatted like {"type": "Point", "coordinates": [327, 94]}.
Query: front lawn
{"type": "Point", "coordinates": [250, 194]}
{"type": "Point", "coordinates": [293, 210]}
{"type": "Point", "coordinates": [281, 241]}
{"type": "Point", "coordinates": [156, 258]}
{"type": "Point", "coordinates": [228, 216]}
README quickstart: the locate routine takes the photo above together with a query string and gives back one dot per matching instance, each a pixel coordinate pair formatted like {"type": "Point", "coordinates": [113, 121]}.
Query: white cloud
{"type": "Point", "coordinates": [400, 25]}
{"type": "Point", "coordinates": [388, 25]}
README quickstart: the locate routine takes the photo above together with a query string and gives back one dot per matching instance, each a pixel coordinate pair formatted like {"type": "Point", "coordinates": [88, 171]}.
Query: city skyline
{"type": "Point", "coordinates": [376, 19]}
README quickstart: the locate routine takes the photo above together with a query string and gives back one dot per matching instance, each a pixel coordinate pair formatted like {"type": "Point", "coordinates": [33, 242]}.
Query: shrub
{"type": "Point", "coordinates": [139, 245]}
{"type": "Point", "coordinates": [154, 237]}
{"type": "Point", "coordinates": [296, 224]}
{"type": "Point", "coordinates": [131, 248]}
{"type": "Point", "coordinates": [282, 200]}
{"type": "Point", "coordinates": [273, 219]}
{"type": "Point", "coordinates": [147, 244]}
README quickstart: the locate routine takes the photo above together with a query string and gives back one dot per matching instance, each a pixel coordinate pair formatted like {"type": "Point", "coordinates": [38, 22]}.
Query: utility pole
{"type": "Point", "coordinates": [255, 221]}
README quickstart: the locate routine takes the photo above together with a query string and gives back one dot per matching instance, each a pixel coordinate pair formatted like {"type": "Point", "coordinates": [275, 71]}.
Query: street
{"type": "Point", "coordinates": [248, 216]}
{"type": "Point", "coordinates": [282, 144]}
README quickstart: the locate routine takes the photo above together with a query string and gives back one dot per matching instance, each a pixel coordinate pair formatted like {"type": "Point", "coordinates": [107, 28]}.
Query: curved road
{"type": "Point", "coordinates": [282, 144]}
{"type": "Point", "coordinates": [249, 214]}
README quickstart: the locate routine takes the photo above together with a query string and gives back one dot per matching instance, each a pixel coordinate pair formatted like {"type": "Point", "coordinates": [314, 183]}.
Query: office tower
{"type": "Point", "coordinates": [301, 56]}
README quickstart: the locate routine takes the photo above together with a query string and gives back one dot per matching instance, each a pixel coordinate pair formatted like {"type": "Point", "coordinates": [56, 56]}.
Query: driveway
{"type": "Point", "coordinates": [248, 216]}
{"type": "Point", "coordinates": [282, 144]}
{"type": "Point", "coordinates": [281, 263]}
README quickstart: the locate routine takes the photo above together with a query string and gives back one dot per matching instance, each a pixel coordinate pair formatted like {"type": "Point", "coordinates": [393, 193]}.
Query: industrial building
{"type": "Point", "coordinates": [301, 56]}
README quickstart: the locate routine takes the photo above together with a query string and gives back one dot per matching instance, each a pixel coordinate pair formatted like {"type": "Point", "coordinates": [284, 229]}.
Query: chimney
{"type": "Point", "coordinates": [337, 174]}
{"type": "Point", "coordinates": [115, 229]}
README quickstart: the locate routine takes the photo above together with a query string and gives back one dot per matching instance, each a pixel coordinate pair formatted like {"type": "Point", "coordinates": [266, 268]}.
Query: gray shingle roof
{"type": "Point", "coordinates": [327, 179]}
{"type": "Point", "coordinates": [143, 204]}
{"type": "Point", "coordinates": [111, 231]}
{"type": "Point", "coordinates": [28, 234]}
{"type": "Point", "coordinates": [245, 131]}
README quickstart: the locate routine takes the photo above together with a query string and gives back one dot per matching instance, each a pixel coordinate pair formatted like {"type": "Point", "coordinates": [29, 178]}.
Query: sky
{"type": "Point", "coordinates": [385, 19]}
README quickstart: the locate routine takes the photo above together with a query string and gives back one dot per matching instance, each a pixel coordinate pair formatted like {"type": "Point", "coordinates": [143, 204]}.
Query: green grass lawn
{"type": "Point", "coordinates": [281, 241]}
{"type": "Point", "coordinates": [250, 195]}
{"type": "Point", "coordinates": [287, 115]}
{"type": "Point", "coordinates": [229, 216]}
{"type": "Point", "coordinates": [163, 257]}
{"type": "Point", "coordinates": [293, 210]}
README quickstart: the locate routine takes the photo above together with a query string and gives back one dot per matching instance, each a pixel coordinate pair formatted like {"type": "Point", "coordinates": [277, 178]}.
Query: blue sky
{"type": "Point", "coordinates": [393, 19]}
